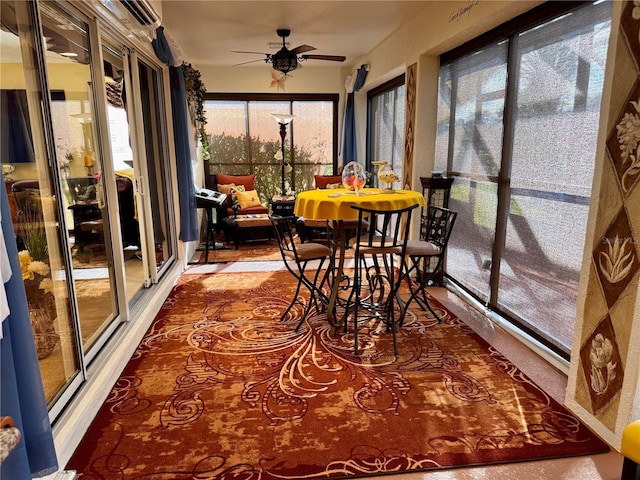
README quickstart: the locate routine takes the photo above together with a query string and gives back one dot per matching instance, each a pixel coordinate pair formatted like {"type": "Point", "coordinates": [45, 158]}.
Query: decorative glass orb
{"type": "Point", "coordinates": [354, 177]}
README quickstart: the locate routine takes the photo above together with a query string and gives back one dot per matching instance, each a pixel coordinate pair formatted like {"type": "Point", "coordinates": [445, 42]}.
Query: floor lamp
{"type": "Point", "coordinates": [283, 120]}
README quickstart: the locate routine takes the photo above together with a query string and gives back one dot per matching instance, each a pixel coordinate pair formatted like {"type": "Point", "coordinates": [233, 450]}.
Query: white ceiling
{"type": "Point", "coordinates": [207, 31]}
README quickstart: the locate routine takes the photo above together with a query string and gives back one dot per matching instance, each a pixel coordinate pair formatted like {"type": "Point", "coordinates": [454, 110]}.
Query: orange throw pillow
{"type": "Point", "coordinates": [226, 188]}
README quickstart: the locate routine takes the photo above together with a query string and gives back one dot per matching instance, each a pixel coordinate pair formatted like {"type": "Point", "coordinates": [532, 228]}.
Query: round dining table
{"type": "Point", "coordinates": [335, 205]}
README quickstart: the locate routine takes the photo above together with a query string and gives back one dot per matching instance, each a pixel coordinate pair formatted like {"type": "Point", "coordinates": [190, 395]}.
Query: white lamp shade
{"type": "Point", "coordinates": [283, 118]}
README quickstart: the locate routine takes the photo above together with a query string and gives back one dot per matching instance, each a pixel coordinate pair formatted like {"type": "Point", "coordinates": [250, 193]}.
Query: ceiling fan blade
{"type": "Point", "coordinates": [333, 58]}
{"type": "Point", "coordinates": [250, 61]}
{"type": "Point", "coordinates": [302, 49]}
{"type": "Point", "coordinates": [257, 53]}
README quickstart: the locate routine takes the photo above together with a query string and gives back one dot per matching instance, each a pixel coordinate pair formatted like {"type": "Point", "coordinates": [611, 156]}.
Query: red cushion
{"type": "Point", "coordinates": [323, 180]}
{"type": "Point", "coordinates": [246, 180]}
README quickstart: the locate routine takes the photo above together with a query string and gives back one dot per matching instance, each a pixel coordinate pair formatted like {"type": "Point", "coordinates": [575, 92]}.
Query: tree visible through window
{"type": "Point", "coordinates": [244, 138]}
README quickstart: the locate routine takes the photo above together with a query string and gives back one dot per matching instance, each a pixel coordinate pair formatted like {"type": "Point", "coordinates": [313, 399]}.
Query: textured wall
{"type": "Point", "coordinates": [606, 351]}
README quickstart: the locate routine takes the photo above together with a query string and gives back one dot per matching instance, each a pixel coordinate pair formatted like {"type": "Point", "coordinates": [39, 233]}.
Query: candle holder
{"type": "Point", "coordinates": [387, 177]}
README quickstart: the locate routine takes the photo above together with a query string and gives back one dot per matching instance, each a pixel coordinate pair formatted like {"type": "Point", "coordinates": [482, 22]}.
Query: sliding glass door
{"type": "Point", "coordinates": [82, 175]}
{"type": "Point", "coordinates": [33, 173]}
{"type": "Point", "coordinates": [85, 157]}
{"type": "Point", "coordinates": [119, 111]}
{"type": "Point", "coordinates": [153, 165]}
{"type": "Point", "coordinates": [552, 162]}
{"type": "Point", "coordinates": [140, 165]}
{"type": "Point", "coordinates": [472, 102]}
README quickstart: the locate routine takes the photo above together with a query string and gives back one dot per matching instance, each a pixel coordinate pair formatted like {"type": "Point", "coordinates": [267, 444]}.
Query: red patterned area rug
{"type": "Point", "coordinates": [247, 252]}
{"type": "Point", "coordinates": [219, 388]}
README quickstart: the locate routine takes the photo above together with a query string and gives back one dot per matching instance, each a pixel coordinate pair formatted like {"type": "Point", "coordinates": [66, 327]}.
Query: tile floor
{"type": "Point", "coordinates": [596, 467]}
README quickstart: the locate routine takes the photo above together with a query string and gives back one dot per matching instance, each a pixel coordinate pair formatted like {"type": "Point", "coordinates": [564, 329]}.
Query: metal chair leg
{"type": "Point", "coordinates": [423, 281]}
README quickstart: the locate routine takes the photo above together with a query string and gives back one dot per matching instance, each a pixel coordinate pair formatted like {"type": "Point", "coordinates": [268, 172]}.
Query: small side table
{"type": "Point", "coordinates": [282, 206]}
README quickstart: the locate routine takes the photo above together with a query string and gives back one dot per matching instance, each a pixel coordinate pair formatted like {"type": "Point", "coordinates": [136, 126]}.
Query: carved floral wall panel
{"type": "Point", "coordinates": [615, 257]}
{"type": "Point", "coordinates": [409, 122]}
{"type": "Point", "coordinates": [602, 364]}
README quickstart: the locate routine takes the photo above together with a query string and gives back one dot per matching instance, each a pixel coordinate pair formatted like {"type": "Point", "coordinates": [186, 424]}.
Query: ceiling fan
{"type": "Point", "coordinates": [285, 60]}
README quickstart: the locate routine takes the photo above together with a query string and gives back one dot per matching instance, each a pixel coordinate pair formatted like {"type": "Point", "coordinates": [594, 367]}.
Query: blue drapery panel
{"type": "Point", "coordinates": [349, 148]}
{"type": "Point", "coordinates": [21, 392]}
{"type": "Point", "coordinates": [189, 228]}
{"type": "Point", "coordinates": [15, 136]}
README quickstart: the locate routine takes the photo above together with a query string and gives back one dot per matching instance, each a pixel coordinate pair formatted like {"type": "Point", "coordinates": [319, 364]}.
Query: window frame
{"type": "Point", "coordinates": [279, 98]}
{"type": "Point", "coordinates": [375, 92]}
{"type": "Point", "coordinates": [507, 32]}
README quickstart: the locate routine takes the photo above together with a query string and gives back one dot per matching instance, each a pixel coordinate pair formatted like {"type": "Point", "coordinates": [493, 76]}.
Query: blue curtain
{"type": "Point", "coordinates": [21, 392]}
{"type": "Point", "coordinates": [349, 147]}
{"type": "Point", "coordinates": [15, 130]}
{"type": "Point", "coordinates": [189, 228]}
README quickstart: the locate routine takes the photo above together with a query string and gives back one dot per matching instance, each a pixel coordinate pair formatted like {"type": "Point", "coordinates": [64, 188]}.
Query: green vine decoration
{"type": "Point", "coordinates": [196, 91]}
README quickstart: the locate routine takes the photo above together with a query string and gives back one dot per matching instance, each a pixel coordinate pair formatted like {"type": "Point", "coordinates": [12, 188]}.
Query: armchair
{"type": "Point", "coordinates": [225, 183]}
{"type": "Point", "coordinates": [243, 217]}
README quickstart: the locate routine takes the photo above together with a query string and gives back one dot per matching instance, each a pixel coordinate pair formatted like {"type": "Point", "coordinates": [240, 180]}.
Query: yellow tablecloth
{"type": "Point", "coordinates": [335, 204]}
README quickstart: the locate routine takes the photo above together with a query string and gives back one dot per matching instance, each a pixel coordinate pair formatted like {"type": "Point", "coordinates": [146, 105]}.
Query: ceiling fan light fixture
{"type": "Point", "coordinates": [285, 60]}
{"type": "Point", "coordinates": [284, 64]}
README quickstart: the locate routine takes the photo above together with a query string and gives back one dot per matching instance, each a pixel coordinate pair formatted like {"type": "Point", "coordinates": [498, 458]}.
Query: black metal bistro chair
{"type": "Point", "coordinates": [379, 243]}
{"type": "Point", "coordinates": [426, 256]}
{"type": "Point", "coordinates": [297, 256]}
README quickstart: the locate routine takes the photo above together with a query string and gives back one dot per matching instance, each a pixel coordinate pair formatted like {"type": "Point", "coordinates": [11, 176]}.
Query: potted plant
{"type": "Point", "coordinates": [36, 275]}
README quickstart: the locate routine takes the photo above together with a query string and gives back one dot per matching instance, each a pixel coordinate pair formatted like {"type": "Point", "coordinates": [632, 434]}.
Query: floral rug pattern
{"type": "Point", "coordinates": [220, 388]}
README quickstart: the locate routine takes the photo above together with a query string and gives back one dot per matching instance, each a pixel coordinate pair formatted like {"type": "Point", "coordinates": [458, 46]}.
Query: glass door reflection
{"type": "Point", "coordinates": [156, 170]}
{"type": "Point", "coordinates": [68, 62]}
{"type": "Point", "coordinates": [31, 192]}
{"type": "Point", "coordinates": [118, 89]}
